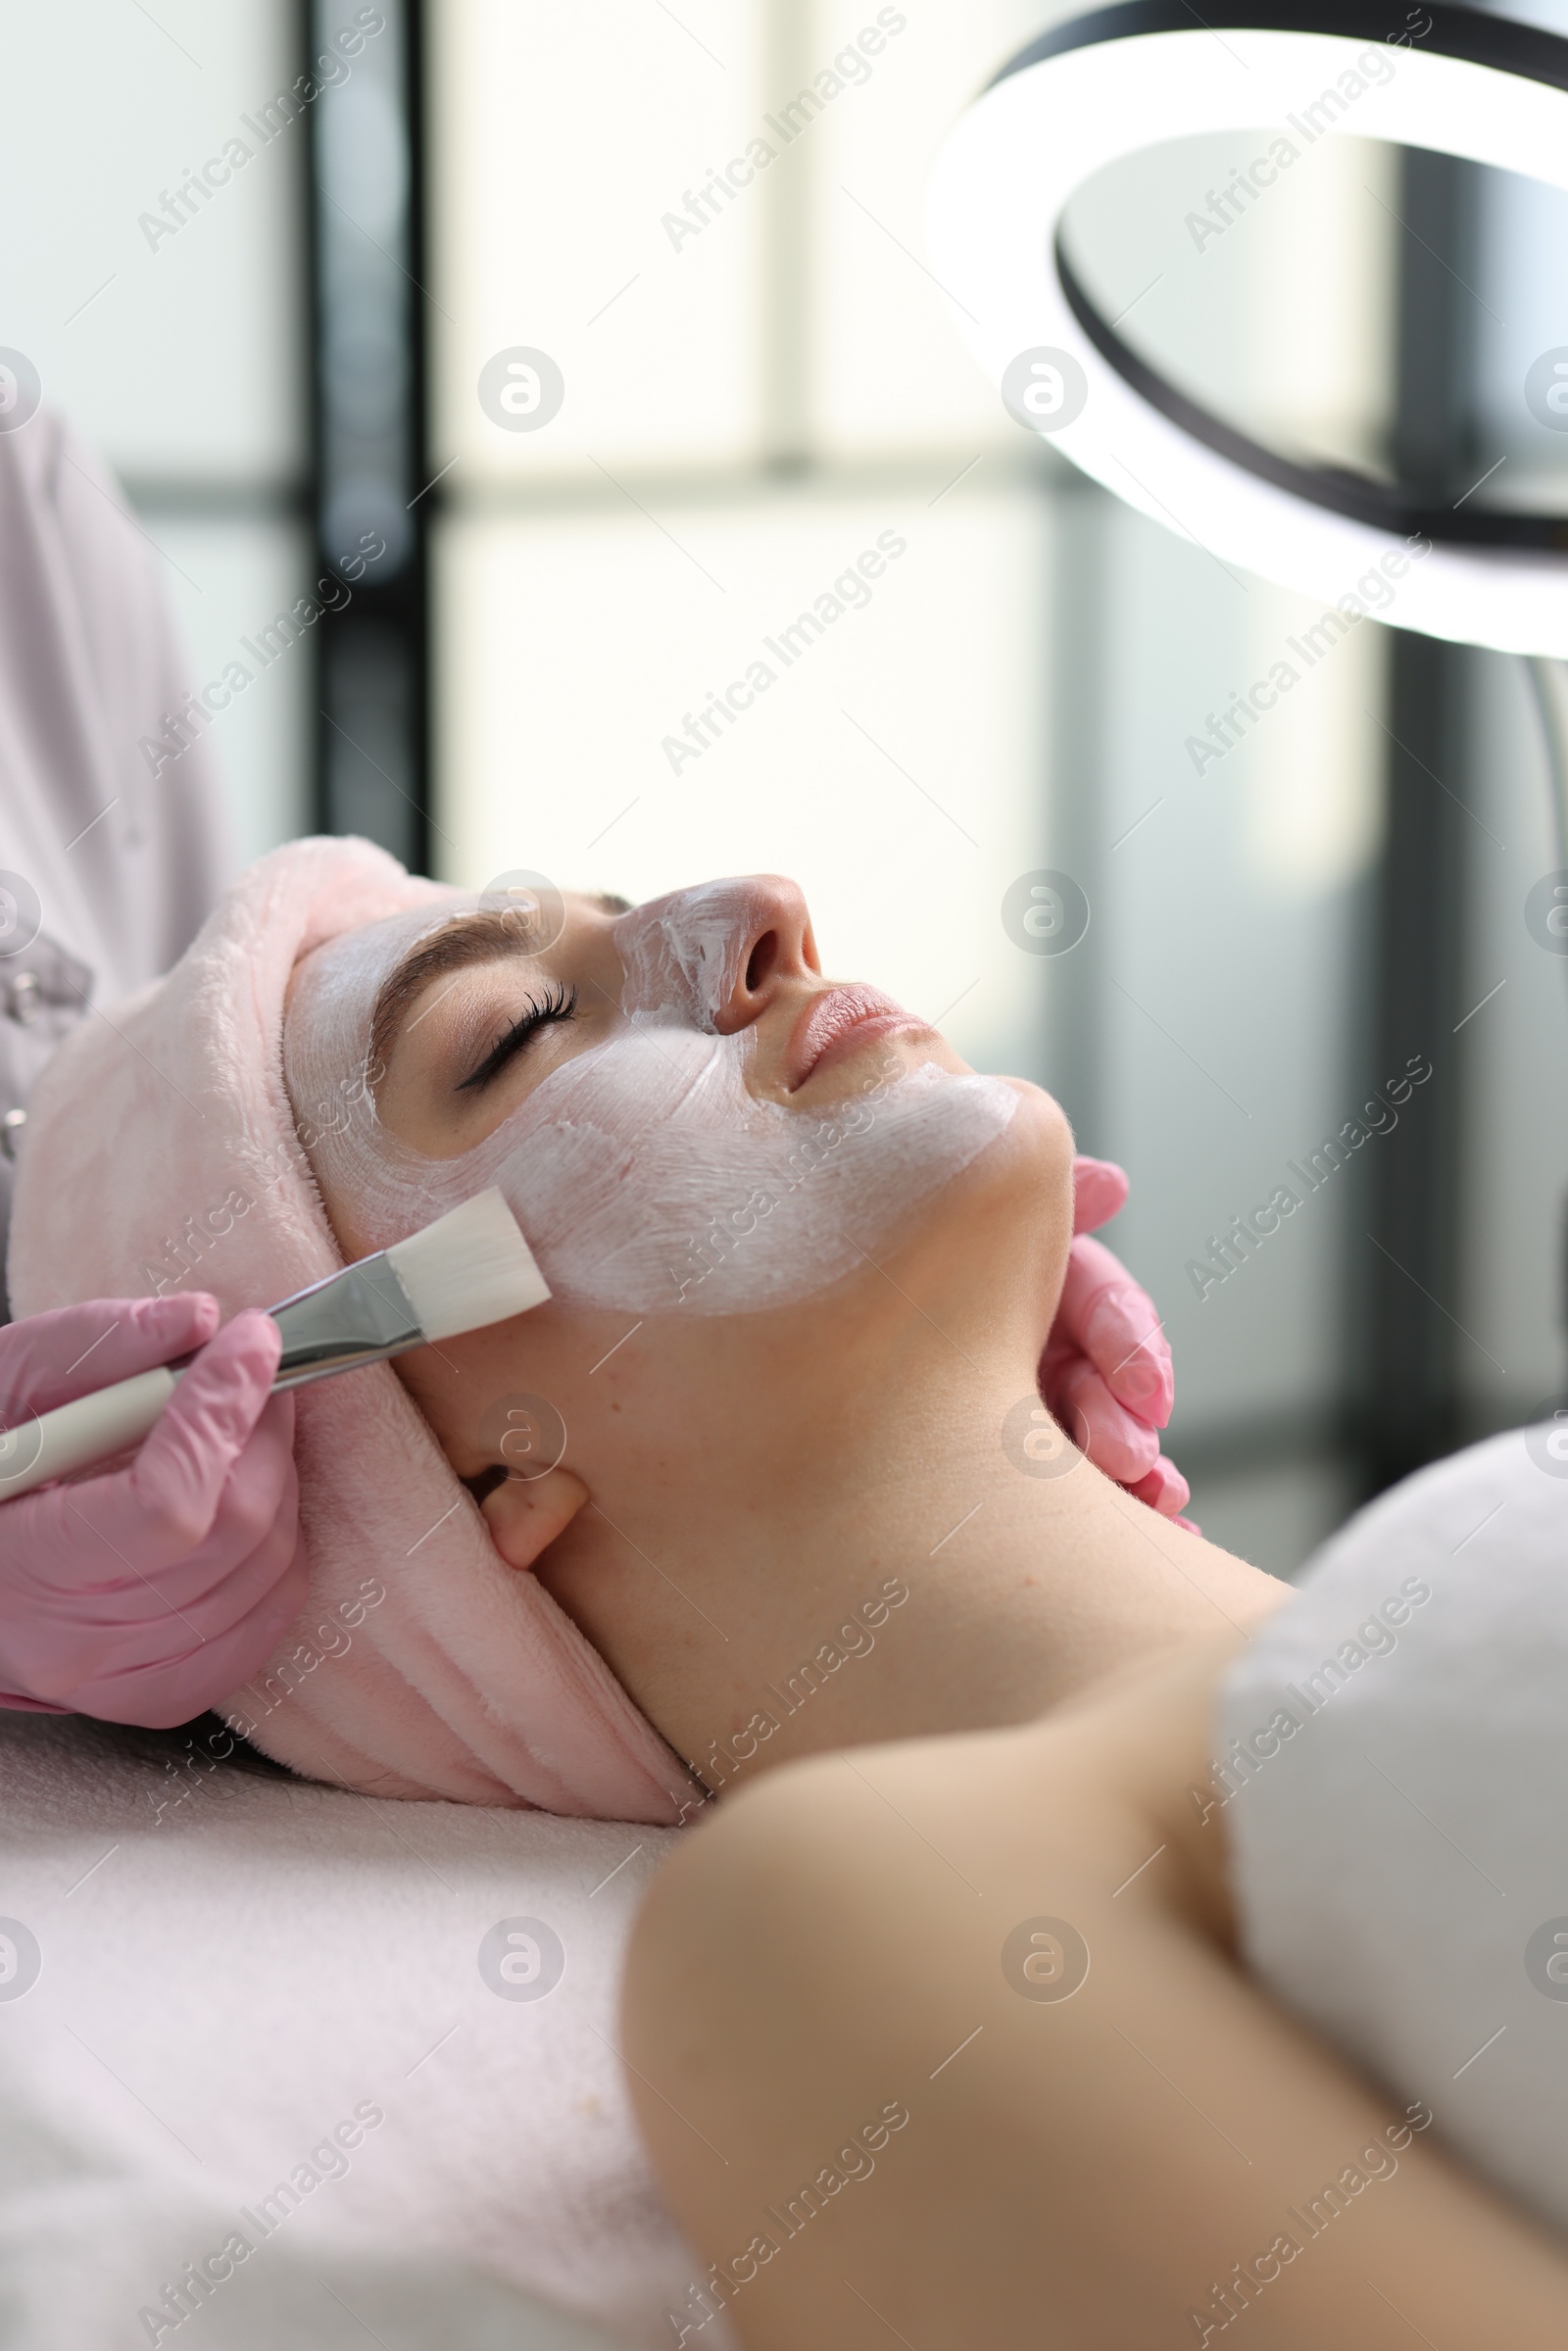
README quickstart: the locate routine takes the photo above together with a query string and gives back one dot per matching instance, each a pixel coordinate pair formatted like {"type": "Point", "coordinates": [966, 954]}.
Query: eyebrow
{"type": "Point", "coordinates": [482, 938]}
{"type": "Point", "coordinates": [485, 937]}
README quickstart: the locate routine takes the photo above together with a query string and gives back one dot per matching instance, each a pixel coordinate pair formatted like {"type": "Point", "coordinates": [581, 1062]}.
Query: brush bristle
{"type": "Point", "coordinates": [470, 1268]}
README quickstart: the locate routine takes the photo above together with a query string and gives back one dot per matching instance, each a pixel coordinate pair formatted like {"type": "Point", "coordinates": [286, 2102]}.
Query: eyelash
{"type": "Point", "coordinates": [560, 1004]}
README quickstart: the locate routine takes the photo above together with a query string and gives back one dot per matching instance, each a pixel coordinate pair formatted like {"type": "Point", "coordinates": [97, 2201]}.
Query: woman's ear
{"type": "Point", "coordinates": [525, 1515]}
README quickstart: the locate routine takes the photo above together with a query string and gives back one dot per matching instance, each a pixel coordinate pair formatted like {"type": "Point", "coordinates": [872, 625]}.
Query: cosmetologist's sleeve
{"type": "Point", "coordinates": [108, 865]}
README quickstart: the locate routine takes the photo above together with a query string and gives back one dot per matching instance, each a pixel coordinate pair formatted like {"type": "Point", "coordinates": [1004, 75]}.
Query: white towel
{"type": "Point", "coordinates": [229, 1988]}
{"type": "Point", "coordinates": [1400, 1858]}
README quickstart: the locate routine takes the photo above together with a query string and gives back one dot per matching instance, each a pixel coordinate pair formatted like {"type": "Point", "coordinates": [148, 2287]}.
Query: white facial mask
{"type": "Point", "coordinates": [644, 1174]}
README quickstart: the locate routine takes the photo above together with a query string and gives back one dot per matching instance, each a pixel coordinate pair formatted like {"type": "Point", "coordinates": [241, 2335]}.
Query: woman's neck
{"type": "Point", "coordinates": [948, 1564]}
{"type": "Point", "coordinates": [851, 1520]}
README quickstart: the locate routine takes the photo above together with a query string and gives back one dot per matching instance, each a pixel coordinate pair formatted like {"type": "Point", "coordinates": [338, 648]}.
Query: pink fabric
{"type": "Point", "coordinates": [160, 1153]}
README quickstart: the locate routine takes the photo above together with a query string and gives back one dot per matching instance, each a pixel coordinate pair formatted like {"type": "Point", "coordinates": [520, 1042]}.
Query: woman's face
{"type": "Point", "coordinates": [755, 1193]}
{"type": "Point", "coordinates": [481, 1023]}
{"type": "Point", "coordinates": [683, 1116]}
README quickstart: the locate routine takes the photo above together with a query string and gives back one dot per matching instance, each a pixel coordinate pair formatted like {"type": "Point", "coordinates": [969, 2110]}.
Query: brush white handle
{"type": "Point", "coordinates": [89, 1430]}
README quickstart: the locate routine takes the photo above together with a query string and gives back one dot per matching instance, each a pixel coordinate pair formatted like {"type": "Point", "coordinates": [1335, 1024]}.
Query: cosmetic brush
{"type": "Point", "coordinates": [470, 1268]}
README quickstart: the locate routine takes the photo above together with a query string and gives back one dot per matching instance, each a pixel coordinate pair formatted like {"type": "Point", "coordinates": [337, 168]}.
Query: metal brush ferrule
{"type": "Point", "coordinates": [362, 1315]}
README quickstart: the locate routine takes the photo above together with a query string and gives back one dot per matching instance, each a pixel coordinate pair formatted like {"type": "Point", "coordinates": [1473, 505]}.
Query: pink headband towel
{"type": "Point", "coordinates": [160, 1151]}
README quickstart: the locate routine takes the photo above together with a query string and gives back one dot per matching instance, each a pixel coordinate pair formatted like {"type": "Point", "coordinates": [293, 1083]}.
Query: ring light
{"type": "Point", "coordinates": [1133, 76]}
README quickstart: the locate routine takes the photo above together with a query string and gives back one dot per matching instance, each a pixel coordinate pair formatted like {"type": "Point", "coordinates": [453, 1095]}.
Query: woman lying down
{"type": "Point", "coordinates": [767, 1482]}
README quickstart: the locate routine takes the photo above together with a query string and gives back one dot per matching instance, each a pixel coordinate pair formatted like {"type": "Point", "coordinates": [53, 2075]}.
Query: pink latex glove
{"type": "Point", "coordinates": [1105, 1374]}
{"type": "Point", "coordinates": [147, 1593]}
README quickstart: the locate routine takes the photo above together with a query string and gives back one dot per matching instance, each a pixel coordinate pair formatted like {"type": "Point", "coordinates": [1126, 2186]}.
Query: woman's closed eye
{"type": "Point", "coordinates": [555, 1002]}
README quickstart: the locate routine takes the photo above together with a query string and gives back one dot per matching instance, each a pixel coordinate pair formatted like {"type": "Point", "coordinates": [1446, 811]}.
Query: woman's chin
{"type": "Point", "coordinates": [1025, 1178]}
{"type": "Point", "coordinates": [1040, 1128]}
{"type": "Point", "coordinates": [992, 1246]}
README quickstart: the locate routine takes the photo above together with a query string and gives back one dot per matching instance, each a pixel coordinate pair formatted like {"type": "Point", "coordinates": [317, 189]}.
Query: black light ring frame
{"type": "Point", "coordinates": [1449, 31]}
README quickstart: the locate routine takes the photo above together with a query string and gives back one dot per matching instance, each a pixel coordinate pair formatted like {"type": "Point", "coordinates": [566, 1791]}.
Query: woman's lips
{"type": "Point", "coordinates": [839, 1022]}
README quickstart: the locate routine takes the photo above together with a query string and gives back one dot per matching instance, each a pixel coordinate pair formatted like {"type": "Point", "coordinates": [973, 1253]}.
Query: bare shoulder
{"type": "Point", "coordinates": [1093, 1779]}
{"type": "Point", "coordinates": [941, 2028]}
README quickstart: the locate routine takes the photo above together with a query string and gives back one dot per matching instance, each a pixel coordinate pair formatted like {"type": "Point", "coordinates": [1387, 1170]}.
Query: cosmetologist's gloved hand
{"type": "Point", "coordinates": [1105, 1374]}
{"type": "Point", "coordinates": [147, 1593]}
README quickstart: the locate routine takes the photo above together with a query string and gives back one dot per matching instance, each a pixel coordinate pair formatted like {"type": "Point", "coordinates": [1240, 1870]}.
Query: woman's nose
{"type": "Point", "coordinates": [772, 946]}
{"type": "Point", "coordinates": [717, 954]}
